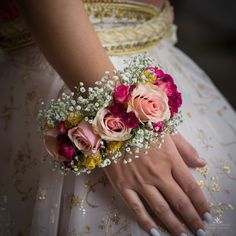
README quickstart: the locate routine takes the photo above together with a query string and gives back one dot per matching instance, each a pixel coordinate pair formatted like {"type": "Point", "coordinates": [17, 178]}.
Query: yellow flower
{"type": "Point", "coordinates": [151, 77]}
{"type": "Point", "coordinates": [113, 146]}
{"type": "Point", "coordinates": [73, 119]}
{"type": "Point", "coordinates": [49, 124]}
{"type": "Point", "coordinates": [92, 161]}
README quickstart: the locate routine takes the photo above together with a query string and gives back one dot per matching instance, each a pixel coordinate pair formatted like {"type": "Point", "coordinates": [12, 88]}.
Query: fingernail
{"type": "Point", "coordinates": [154, 232]}
{"type": "Point", "coordinates": [207, 217]}
{"type": "Point", "coordinates": [183, 234]}
{"type": "Point", "coordinates": [201, 232]}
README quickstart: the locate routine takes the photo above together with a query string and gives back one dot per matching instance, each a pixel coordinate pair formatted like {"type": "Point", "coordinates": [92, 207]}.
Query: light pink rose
{"type": "Point", "coordinates": [149, 103]}
{"type": "Point", "coordinates": [110, 128]}
{"type": "Point", "coordinates": [84, 138]}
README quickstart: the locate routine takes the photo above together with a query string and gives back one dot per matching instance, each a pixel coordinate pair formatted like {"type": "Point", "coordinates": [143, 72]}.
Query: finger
{"type": "Point", "coordinates": [187, 152]}
{"type": "Point", "coordinates": [189, 185]}
{"type": "Point", "coordinates": [162, 210]}
{"type": "Point", "coordinates": [182, 204]}
{"type": "Point", "coordinates": [135, 204]}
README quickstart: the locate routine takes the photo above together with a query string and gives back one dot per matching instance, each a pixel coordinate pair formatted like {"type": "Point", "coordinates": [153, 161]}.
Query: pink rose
{"type": "Point", "coordinates": [84, 138]}
{"type": "Point", "coordinates": [149, 103]}
{"type": "Point", "coordinates": [110, 128]}
{"type": "Point", "coordinates": [121, 93]}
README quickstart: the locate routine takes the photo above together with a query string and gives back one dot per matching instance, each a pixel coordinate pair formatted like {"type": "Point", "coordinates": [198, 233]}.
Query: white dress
{"type": "Point", "coordinates": [37, 201]}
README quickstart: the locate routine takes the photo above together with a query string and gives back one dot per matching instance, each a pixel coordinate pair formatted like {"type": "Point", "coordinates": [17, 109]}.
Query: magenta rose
{"type": "Point", "coordinates": [130, 120]}
{"type": "Point", "coordinates": [62, 127]}
{"type": "Point", "coordinates": [121, 93]}
{"type": "Point", "coordinates": [117, 109]}
{"type": "Point", "coordinates": [84, 138]}
{"type": "Point", "coordinates": [169, 87]}
{"type": "Point", "coordinates": [109, 127]}
{"type": "Point", "coordinates": [175, 101]}
{"type": "Point", "coordinates": [158, 126]}
{"type": "Point", "coordinates": [66, 150]}
{"type": "Point", "coordinates": [149, 103]}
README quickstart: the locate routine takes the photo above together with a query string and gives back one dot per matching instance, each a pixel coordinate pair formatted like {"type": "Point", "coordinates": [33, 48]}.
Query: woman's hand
{"type": "Point", "coordinates": [162, 179]}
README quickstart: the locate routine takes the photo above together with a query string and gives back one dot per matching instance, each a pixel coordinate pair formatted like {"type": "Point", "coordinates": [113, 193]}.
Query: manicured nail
{"type": "Point", "coordinates": [154, 232]}
{"type": "Point", "coordinates": [183, 234]}
{"type": "Point", "coordinates": [208, 217]}
{"type": "Point", "coordinates": [201, 232]}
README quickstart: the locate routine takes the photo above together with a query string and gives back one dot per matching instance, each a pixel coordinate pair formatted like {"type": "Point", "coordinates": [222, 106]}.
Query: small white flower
{"type": "Point", "coordinates": [82, 90]}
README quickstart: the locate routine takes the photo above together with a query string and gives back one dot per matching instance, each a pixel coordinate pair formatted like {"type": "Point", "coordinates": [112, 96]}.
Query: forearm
{"type": "Point", "coordinates": [67, 39]}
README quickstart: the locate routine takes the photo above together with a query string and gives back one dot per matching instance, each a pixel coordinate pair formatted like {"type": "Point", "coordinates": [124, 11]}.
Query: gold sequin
{"type": "Point", "coordinates": [42, 194]}
{"type": "Point", "coordinates": [201, 183]}
{"type": "Point", "coordinates": [75, 200]}
{"type": "Point", "coordinates": [203, 171]}
{"type": "Point", "coordinates": [189, 114]}
{"type": "Point", "coordinates": [215, 187]}
{"type": "Point", "coordinates": [221, 112]}
{"type": "Point", "coordinates": [226, 169]}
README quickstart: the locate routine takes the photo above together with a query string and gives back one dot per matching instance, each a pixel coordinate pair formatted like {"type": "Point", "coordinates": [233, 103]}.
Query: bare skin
{"type": "Point", "coordinates": [70, 44]}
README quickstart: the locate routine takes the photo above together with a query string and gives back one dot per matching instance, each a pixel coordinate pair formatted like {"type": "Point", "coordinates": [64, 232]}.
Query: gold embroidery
{"type": "Point", "coordinates": [219, 209]}
{"type": "Point", "coordinates": [8, 109]}
{"type": "Point", "coordinates": [22, 163]}
{"type": "Point", "coordinates": [215, 187]}
{"type": "Point", "coordinates": [91, 188]}
{"type": "Point", "coordinates": [204, 138]}
{"type": "Point", "coordinates": [135, 38]}
{"type": "Point", "coordinates": [201, 183]}
{"type": "Point", "coordinates": [87, 230]}
{"type": "Point", "coordinates": [75, 201]}
{"type": "Point", "coordinates": [132, 27]}
{"type": "Point", "coordinates": [42, 194]}
{"type": "Point", "coordinates": [113, 217]}
{"type": "Point", "coordinates": [203, 171]}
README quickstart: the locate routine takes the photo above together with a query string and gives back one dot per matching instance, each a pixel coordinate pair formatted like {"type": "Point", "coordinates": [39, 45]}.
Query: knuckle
{"type": "Point", "coordinates": [120, 185]}
{"type": "Point", "coordinates": [153, 171]}
{"type": "Point", "coordinates": [135, 207]}
{"type": "Point", "coordinates": [182, 204]}
{"type": "Point", "coordinates": [192, 187]}
{"type": "Point", "coordinates": [162, 209]}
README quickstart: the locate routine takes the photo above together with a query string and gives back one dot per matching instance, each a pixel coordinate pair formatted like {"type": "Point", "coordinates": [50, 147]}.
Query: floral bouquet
{"type": "Point", "coordinates": [129, 110]}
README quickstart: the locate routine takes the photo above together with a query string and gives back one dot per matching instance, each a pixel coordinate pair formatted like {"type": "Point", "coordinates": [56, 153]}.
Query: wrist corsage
{"type": "Point", "coordinates": [129, 110]}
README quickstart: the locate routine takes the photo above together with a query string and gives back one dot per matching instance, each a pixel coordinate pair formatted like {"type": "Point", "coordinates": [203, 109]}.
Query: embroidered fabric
{"type": "Point", "coordinates": [123, 27]}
